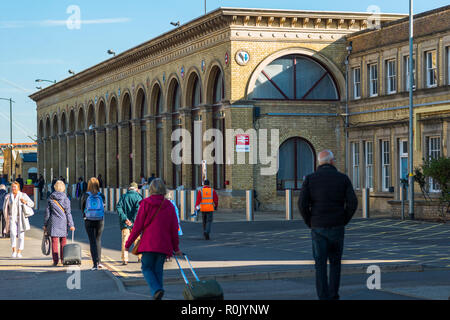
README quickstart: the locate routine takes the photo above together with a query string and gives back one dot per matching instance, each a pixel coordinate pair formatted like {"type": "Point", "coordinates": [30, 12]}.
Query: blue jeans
{"type": "Point", "coordinates": [328, 244]}
{"type": "Point", "coordinates": [152, 269]}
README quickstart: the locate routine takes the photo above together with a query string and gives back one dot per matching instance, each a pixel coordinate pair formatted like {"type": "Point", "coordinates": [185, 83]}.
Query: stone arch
{"type": "Point", "coordinates": [156, 98]}
{"type": "Point", "coordinates": [90, 116]}
{"type": "Point", "coordinates": [215, 70]}
{"type": "Point", "coordinates": [63, 125]}
{"type": "Point", "coordinates": [47, 126]}
{"type": "Point", "coordinates": [41, 129]}
{"type": "Point", "coordinates": [72, 125]}
{"type": "Point", "coordinates": [325, 62]}
{"type": "Point", "coordinates": [81, 123]}
{"type": "Point", "coordinates": [112, 110]}
{"type": "Point", "coordinates": [55, 125]}
{"type": "Point", "coordinates": [193, 83]}
{"type": "Point", "coordinates": [101, 113]}
{"type": "Point", "coordinates": [126, 106]}
{"type": "Point", "coordinates": [141, 105]}
{"type": "Point", "coordinates": [173, 94]}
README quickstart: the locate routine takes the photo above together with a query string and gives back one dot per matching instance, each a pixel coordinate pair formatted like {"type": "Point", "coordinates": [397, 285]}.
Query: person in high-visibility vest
{"type": "Point", "coordinates": [208, 202]}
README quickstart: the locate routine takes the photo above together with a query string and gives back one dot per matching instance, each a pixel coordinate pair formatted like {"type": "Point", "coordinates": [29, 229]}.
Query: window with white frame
{"type": "Point", "coordinates": [355, 164]}
{"type": "Point", "coordinates": [434, 152]}
{"type": "Point", "coordinates": [356, 83]}
{"type": "Point", "coordinates": [431, 68]}
{"type": "Point", "coordinates": [373, 79]}
{"type": "Point", "coordinates": [369, 164]}
{"type": "Point", "coordinates": [406, 68]}
{"type": "Point", "coordinates": [391, 76]}
{"type": "Point", "coordinates": [386, 165]}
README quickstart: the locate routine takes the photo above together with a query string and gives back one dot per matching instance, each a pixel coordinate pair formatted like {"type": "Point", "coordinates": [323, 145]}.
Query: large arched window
{"type": "Point", "coordinates": [295, 77]}
{"type": "Point", "coordinates": [296, 160]}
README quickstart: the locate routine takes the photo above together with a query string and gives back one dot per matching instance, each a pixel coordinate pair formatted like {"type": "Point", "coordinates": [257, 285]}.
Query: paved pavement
{"type": "Point", "coordinates": [267, 252]}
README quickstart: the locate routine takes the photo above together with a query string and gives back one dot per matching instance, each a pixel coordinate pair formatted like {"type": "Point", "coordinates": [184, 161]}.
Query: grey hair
{"type": "Point", "coordinates": [158, 187]}
{"type": "Point", "coordinates": [2, 187]}
{"type": "Point", "coordinates": [60, 186]}
{"type": "Point", "coordinates": [325, 156]}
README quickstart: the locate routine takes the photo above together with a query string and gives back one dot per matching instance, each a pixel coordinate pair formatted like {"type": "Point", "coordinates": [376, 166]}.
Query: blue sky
{"type": "Point", "coordinates": [36, 43]}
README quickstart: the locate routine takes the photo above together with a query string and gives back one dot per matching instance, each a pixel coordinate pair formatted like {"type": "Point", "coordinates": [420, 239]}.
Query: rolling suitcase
{"type": "Point", "coordinates": [72, 253]}
{"type": "Point", "coordinates": [199, 289]}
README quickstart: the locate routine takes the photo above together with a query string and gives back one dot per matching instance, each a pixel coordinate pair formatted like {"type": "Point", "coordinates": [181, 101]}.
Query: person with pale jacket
{"type": "Point", "coordinates": [16, 221]}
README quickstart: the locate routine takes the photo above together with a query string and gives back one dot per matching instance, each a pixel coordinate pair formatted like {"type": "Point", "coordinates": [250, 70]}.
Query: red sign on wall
{"type": "Point", "coordinates": [242, 143]}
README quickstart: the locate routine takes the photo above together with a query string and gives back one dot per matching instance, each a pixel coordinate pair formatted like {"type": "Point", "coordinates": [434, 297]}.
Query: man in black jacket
{"type": "Point", "coordinates": [327, 203]}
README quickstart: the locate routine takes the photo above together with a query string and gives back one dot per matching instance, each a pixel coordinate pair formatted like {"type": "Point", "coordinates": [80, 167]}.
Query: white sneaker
{"type": "Point", "coordinates": [14, 255]}
{"type": "Point", "coordinates": [19, 255]}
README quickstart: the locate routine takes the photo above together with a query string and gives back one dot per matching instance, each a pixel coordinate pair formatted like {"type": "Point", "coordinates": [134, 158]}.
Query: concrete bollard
{"type": "Point", "coordinates": [289, 200]}
{"type": "Point", "coordinates": [36, 198]}
{"type": "Point", "coordinates": [111, 199]}
{"type": "Point", "coordinates": [193, 201]}
{"type": "Point", "coordinates": [106, 194]}
{"type": "Point", "coordinates": [403, 198]}
{"type": "Point", "coordinates": [74, 191]}
{"type": "Point", "coordinates": [183, 205]}
{"type": "Point", "coordinates": [365, 202]}
{"type": "Point", "coordinates": [117, 197]}
{"type": "Point", "coordinates": [249, 205]}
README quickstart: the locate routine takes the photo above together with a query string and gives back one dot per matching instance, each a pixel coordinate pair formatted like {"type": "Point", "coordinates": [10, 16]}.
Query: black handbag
{"type": "Point", "coordinates": [46, 244]}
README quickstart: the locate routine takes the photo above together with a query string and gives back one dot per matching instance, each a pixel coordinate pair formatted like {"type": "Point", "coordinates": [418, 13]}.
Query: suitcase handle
{"type": "Point", "coordinates": [181, 269]}
{"type": "Point", "coordinates": [72, 235]}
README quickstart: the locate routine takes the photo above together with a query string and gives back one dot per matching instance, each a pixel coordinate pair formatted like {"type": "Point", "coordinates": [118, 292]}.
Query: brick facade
{"type": "Point", "coordinates": [106, 107]}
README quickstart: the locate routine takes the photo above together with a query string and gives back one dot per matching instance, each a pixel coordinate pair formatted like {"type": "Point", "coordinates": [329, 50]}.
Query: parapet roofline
{"type": "Point", "coordinates": [399, 21]}
{"type": "Point", "coordinates": [219, 12]}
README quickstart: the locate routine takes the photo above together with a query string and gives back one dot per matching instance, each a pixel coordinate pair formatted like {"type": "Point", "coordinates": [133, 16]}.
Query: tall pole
{"type": "Point", "coordinates": [10, 135]}
{"type": "Point", "coordinates": [205, 7]}
{"type": "Point", "coordinates": [411, 115]}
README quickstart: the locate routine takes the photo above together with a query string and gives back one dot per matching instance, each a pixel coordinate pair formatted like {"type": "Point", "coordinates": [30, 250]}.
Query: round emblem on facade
{"type": "Point", "coordinates": [182, 72]}
{"type": "Point", "coordinates": [226, 58]}
{"type": "Point", "coordinates": [242, 57]}
{"type": "Point", "coordinates": [164, 77]}
{"type": "Point", "coordinates": [203, 65]}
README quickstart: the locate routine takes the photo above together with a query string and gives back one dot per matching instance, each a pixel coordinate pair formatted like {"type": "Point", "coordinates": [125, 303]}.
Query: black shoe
{"type": "Point", "coordinates": [158, 295]}
{"type": "Point", "coordinates": [206, 236]}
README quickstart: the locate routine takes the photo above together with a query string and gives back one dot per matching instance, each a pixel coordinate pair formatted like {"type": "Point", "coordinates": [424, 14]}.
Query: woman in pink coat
{"type": "Point", "coordinates": [157, 223]}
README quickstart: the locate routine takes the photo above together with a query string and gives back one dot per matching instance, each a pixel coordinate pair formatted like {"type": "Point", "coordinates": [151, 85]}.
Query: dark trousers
{"type": "Point", "coordinates": [62, 242]}
{"type": "Point", "coordinates": [207, 219]}
{"type": "Point", "coordinates": [94, 229]}
{"type": "Point", "coordinates": [328, 244]}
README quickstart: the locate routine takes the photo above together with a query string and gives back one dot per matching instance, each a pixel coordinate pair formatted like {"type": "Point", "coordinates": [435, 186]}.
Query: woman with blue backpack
{"type": "Point", "coordinates": [93, 208]}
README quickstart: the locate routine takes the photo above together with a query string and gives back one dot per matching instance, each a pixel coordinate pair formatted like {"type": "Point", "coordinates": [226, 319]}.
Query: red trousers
{"type": "Point", "coordinates": [62, 243]}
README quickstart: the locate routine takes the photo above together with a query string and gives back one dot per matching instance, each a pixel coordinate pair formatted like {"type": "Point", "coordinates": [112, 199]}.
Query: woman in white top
{"type": "Point", "coordinates": [16, 221]}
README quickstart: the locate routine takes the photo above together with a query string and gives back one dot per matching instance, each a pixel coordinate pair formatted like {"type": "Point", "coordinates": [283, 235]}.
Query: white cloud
{"type": "Point", "coordinates": [34, 61]}
{"type": "Point", "coordinates": [15, 85]}
{"type": "Point", "coordinates": [57, 23]}
{"type": "Point", "coordinates": [51, 23]}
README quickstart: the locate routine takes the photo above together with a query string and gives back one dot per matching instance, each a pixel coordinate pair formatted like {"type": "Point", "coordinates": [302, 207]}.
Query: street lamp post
{"type": "Point", "coordinates": [10, 134]}
{"type": "Point", "coordinates": [43, 80]}
{"type": "Point", "coordinates": [411, 115]}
